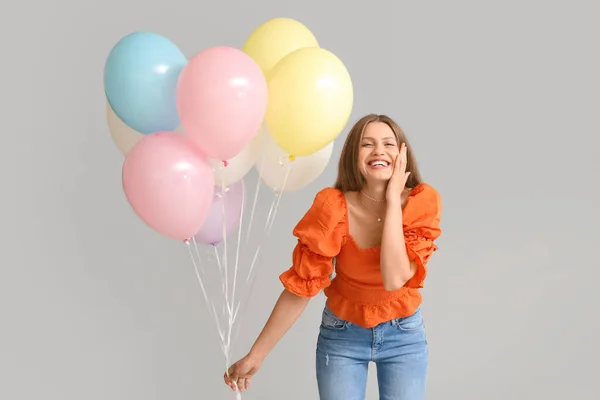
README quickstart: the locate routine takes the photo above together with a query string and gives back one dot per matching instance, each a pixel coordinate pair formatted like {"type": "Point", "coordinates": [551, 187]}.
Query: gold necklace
{"type": "Point", "coordinates": [371, 198]}
{"type": "Point", "coordinates": [379, 219]}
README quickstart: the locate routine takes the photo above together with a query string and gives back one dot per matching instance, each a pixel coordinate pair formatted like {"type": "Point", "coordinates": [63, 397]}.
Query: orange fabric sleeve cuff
{"type": "Point", "coordinates": [421, 220]}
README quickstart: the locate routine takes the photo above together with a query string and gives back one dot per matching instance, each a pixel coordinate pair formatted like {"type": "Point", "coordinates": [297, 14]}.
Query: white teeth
{"type": "Point", "coordinates": [378, 163]}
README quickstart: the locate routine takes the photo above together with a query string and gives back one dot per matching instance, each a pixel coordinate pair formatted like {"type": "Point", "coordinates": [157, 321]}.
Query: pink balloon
{"type": "Point", "coordinates": [222, 100]}
{"type": "Point", "coordinates": [169, 184]}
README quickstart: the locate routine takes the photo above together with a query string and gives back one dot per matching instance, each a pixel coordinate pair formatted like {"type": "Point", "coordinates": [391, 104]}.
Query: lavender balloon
{"type": "Point", "coordinates": [233, 198]}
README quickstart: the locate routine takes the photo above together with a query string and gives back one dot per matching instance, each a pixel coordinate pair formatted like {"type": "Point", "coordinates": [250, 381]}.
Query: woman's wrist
{"type": "Point", "coordinates": [394, 206]}
{"type": "Point", "coordinates": [257, 354]}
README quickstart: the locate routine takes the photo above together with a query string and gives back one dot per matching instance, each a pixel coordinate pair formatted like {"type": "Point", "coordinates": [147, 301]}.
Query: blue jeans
{"type": "Point", "coordinates": [397, 347]}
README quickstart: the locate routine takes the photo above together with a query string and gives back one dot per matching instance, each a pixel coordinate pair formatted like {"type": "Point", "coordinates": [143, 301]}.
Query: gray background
{"type": "Point", "coordinates": [500, 100]}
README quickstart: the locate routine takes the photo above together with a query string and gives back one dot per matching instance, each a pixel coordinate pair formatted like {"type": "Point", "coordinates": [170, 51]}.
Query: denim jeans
{"type": "Point", "coordinates": [398, 348]}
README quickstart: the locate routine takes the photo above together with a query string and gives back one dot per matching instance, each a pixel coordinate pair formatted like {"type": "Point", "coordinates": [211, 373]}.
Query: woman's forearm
{"type": "Point", "coordinates": [287, 310]}
{"type": "Point", "coordinates": [396, 268]}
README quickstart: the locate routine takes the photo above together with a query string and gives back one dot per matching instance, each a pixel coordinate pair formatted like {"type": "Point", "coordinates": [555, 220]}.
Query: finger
{"type": "Point", "coordinates": [229, 383]}
{"type": "Point", "coordinates": [227, 380]}
{"type": "Point", "coordinates": [403, 157]}
{"type": "Point", "coordinates": [248, 381]}
{"type": "Point", "coordinates": [231, 377]}
{"type": "Point", "coordinates": [240, 384]}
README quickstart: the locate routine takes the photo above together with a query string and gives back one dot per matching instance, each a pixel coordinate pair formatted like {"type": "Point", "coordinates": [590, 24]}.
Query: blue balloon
{"type": "Point", "coordinates": [140, 81]}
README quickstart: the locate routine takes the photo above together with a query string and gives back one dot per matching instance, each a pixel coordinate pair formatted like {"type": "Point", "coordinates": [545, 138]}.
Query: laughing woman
{"type": "Point", "coordinates": [379, 223]}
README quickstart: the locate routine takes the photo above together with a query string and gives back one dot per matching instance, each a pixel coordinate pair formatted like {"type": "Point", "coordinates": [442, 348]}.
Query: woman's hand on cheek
{"type": "Point", "coordinates": [399, 178]}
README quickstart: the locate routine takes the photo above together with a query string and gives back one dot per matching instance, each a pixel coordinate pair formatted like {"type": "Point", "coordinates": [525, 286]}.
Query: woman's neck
{"type": "Point", "coordinates": [375, 192]}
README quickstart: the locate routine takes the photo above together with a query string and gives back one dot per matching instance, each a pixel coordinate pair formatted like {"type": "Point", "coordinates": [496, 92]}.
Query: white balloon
{"type": "Point", "coordinates": [122, 135]}
{"type": "Point", "coordinates": [273, 164]}
{"type": "Point", "coordinates": [237, 167]}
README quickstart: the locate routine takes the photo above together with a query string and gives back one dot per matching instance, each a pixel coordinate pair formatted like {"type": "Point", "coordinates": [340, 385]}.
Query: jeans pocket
{"type": "Point", "coordinates": [330, 321]}
{"type": "Point", "coordinates": [412, 323]}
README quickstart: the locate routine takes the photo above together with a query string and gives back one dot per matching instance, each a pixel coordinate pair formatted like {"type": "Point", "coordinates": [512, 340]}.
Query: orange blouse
{"type": "Point", "coordinates": [356, 293]}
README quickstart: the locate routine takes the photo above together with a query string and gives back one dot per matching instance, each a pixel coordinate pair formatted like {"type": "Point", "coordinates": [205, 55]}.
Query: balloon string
{"type": "Point", "coordinates": [251, 278]}
{"type": "Point", "coordinates": [270, 219]}
{"type": "Point", "coordinates": [224, 239]}
{"type": "Point", "coordinates": [257, 190]}
{"type": "Point", "coordinates": [221, 332]}
{"type": "Point", "coordinates": [220, 266]}
{"type": "Point", "coordinates": [229, 304]}
{"type": "Point", "coordinates": [210, 305]}
{"type": "Point", "coordinates": [253, 210]}
{"type": "Point", "coordinates": [237, 255]}
{"type": "Point", "coordinates": [263, 235]}
{"type": "Point", "coordinates": [233, 308]}
{"type": "Point", "coordinates": [283, 185]}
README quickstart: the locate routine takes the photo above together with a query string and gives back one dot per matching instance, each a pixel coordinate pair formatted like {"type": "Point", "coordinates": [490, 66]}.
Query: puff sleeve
{"type": "Point", "coordinates": [321, 235]}
{"type": "Point", "coordinates": [421, 225]}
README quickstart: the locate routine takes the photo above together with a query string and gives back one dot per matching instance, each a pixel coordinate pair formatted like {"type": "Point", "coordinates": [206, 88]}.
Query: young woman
{"type": "Point", "coordinates": [378, 226]}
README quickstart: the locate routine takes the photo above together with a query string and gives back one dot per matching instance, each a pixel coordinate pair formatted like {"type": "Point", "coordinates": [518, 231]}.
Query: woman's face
{"type": "Point", "coordinates": [377, 152]}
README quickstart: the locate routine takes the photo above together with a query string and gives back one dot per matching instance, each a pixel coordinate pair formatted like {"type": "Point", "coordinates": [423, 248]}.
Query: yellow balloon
{"type": "Point", "coordinates": [310, 100]}
{"type": "Point", "coordinates": [275, 39]}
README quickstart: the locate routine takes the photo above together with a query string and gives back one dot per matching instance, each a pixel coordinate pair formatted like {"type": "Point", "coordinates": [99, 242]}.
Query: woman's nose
{"type": "Point", "coordinates": [377, 151]}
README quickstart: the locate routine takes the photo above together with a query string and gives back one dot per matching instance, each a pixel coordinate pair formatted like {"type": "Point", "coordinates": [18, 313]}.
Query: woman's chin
{"type": "Point", "coordinates": [378, 179]}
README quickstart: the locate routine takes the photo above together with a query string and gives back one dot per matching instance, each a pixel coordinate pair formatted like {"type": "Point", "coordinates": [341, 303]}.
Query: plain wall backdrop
{"type": "Point", "coordinates": [500, 101]}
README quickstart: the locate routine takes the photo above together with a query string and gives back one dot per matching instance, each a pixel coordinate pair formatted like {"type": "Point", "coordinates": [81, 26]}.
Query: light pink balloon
{"type": "Point", "coordinates": [222, 100]}
{"type": "Point", "coordinates": [169, 184]}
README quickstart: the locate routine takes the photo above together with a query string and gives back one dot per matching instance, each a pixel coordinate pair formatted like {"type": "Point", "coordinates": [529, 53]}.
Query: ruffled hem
{"type": "Point", "coordinates": [403, 303]}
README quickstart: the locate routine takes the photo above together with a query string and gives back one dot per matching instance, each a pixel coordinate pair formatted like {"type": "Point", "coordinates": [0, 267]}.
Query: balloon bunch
{"type": "Point", "coordinates": [188, 125]}
{"type": "Point", "coordinates": [192, 129]}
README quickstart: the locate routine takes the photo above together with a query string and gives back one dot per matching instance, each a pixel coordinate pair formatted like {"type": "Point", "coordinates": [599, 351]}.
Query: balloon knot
{"type": "Point", "coordinates": [186, 241]}
{"type": "Point", "coordinates": [225, 163]}
{"type": "Point", "coordinates": [292, 158]}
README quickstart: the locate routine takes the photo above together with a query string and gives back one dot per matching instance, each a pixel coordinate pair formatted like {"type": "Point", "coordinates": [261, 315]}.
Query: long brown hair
{"type": "Point", "coordinates": [349, 178]}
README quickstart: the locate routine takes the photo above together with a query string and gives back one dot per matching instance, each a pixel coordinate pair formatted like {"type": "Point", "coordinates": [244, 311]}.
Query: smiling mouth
{"type": "Point", "coordinates": [378, 164]}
